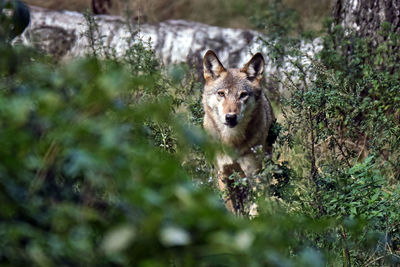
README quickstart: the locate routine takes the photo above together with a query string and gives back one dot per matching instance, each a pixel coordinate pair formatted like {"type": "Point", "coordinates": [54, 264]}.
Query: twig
{"type": "Point", "coordinates": [363, 147]}
{"type": "Point", "coordinates": [374, 260]}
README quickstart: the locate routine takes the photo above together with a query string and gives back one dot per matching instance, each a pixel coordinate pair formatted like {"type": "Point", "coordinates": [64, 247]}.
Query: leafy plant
{"type": "Point", "coordinates": [103, 162]}
{"type": "Point", "coordinates": [339, 110]}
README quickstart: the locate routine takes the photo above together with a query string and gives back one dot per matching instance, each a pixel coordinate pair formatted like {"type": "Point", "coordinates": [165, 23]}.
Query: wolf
{"type": "Point", "coordinates": [238, 114]}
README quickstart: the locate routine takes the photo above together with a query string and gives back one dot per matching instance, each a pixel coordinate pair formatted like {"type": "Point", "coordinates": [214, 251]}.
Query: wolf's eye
{"type": "Point", "coordinates": [243, 95]}
{"type": "Point", "coordinates": [221, 93]}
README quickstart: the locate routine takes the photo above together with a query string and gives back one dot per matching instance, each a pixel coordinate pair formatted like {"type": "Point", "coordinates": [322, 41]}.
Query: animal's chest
{"type": "Point", "coordinates": [247, 165]}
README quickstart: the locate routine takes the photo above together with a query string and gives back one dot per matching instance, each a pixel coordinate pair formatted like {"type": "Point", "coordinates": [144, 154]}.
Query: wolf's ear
{"type": "Point", "coordinates": [212, 67]}
{"type": "Point", "coordinates": [254, 68]}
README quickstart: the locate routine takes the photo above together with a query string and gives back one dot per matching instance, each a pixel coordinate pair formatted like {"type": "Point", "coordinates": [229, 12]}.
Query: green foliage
{"type": "Point", "coordinates": [363, 93]}
{"type": "Point", "coordinates": [103, 163]}
{"type": "Point", "coordinates": [276, 19]}
{"type": "Point", "coordinates": [82, 183]}
{"type": "Point", "coordinates": [360, 192]}
{"type": "Point", "coordinates": [340, 137]}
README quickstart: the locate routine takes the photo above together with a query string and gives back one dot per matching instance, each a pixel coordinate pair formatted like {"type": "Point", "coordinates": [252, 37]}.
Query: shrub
{"type": "Point", "coordinates": [340, 133]}
{"type": "Point", "coordinates": [100, 166]}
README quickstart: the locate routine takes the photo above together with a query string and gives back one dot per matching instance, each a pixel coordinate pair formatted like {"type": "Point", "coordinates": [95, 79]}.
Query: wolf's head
{"type": "Point", "coordinates": [232, 94]}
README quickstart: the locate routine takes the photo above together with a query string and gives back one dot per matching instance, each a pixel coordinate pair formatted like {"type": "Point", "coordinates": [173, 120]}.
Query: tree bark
{"type": "Point", "coordinates": [62, 34]}
{"type": "Point", "coordinates": [366, 16]}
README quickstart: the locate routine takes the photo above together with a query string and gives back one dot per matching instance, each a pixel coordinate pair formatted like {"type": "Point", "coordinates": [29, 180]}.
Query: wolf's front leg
{"type": "Point", "coordinates": [251, 165]}
{"type": "Point", "coordinates": [226, 190]}
{"type": "Point", "coordinates": [234, 196]}
{"type": "Point", "coordinates": [226, 167]}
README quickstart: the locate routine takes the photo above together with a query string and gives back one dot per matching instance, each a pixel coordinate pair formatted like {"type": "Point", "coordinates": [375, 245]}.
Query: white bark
{"type": "Point", "coordinates": [61, 33]}
{"type": "Point", "coordinates": [367, 16]}
{"type": "Point", "coordinates": [174, 41]}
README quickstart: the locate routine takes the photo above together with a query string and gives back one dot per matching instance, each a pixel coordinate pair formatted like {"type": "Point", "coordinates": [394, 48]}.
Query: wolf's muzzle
{"type": "Point", "coordinates": [231, 120]}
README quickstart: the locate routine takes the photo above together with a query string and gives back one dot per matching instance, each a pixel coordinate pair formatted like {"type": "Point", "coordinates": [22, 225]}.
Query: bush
{"type": "Point", "coordinates": [100, 166]}
{"type": "Point", "coordinates": [340, 137]}
{"type": "Point", "coordinates": [83, 183]}
{"type": "Point", "coordinates": [84, 180]}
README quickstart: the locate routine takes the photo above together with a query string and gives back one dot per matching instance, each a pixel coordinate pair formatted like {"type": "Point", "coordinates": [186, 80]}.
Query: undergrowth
{"type": "Point", "coordinates": [104, 162]}
{"type": "Point", "coordinates": [340, 136]}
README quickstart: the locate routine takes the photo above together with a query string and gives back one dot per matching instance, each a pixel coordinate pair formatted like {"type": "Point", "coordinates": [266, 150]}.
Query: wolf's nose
{"type": "Point", "coordinates": [231, 119]}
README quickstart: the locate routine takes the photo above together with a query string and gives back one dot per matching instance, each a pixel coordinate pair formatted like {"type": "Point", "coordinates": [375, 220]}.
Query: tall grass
{"type": "Point", "coordinates": [224, 13]}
